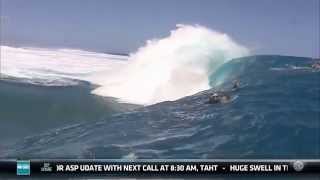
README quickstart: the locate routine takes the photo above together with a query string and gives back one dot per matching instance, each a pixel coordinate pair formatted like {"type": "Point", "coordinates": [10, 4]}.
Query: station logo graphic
{"type": "Point", "coordinates": [46, 167]}
{"type": "Point", "coordinates": [298, 166]}
{"type": "Point", "coordinates": [23, 168]}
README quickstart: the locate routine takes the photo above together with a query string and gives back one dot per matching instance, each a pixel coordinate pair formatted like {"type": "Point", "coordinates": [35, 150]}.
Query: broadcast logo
{"type": "Point", "coordinates": [298, 166]}
{"type": "Point", "coordinates": [23, 168]}
{"type": "Point", "coordinates": [46, 167]}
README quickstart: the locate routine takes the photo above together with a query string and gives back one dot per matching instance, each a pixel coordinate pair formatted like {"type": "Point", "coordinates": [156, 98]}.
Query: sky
{"type": "Point", "coordinates": [284, 27]}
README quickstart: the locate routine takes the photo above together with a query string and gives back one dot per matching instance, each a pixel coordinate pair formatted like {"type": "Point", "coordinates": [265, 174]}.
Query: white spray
{"type": "Point", "coordinates": [172, 67]}
{"type": "Point", "coordinates": [164, 69]}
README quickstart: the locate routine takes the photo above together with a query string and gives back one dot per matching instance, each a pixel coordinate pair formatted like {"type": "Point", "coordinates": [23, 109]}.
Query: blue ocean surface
{"type": "Point", "coordinates": [274, 114]}
{"type": "Point", "coordinates": [29, 109]}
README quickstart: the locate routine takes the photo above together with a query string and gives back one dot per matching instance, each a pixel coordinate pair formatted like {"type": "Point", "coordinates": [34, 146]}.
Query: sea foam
{"type": "Point", "coordinates": [172, 67]}
{"type": "Point", "coordinates": [163, 69]}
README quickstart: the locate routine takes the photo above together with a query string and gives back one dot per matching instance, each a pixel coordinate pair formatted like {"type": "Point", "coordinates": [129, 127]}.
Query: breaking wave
{"type": "Point", "coordinates": [164, 69]}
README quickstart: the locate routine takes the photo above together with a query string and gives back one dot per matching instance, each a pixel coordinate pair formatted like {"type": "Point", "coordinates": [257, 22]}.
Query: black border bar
{"type": "Point", "coordinates": [159, 167]}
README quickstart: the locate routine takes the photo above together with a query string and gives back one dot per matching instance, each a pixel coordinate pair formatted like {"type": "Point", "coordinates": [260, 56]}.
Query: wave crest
{"type": "Point", "coordinates": [173, 67]}
{"type": "Point", "coordinates": [164, 69]}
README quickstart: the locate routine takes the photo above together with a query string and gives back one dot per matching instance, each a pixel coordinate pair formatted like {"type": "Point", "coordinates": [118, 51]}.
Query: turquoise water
{"type": "Point", "coordinates": [274, 114]}
{"type": "Point", "coordinates": [28, 109]}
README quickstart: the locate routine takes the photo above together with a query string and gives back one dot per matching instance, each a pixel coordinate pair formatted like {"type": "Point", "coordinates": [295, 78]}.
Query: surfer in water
{"type": "Point", "coordinates": [223, 97]}
{"type": "Point", "coordinates": [236, 85]}
{"type": "Point", "coordinates": [316, 65]}
{"type": "Point", "coordinates": [219, 97]}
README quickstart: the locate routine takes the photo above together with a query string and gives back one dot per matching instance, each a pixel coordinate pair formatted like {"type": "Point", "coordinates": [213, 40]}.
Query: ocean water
{"type": "Point", "coordinates": [29, 109]}
{"type": "Point", "coordinates": [274, 114]}
{"type": "Point", "coordinates": [163, 69]}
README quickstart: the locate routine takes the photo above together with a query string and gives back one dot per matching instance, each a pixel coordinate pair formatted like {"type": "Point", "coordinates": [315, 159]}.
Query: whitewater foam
{"type": "Point", "coordinates": [50, 65]}
{"type": "Point", "coordinates": [164, 69]}
{"type": "Point", "coordinates": [172, 67]}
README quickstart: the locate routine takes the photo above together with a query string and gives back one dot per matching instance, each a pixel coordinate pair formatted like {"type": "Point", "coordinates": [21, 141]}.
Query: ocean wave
{"type": "Point", "coordinates": [164, 69]}
{"type": "Point", "coordinates": [172, 67]}
{"type": "Point", "coordinates": [274, 114]}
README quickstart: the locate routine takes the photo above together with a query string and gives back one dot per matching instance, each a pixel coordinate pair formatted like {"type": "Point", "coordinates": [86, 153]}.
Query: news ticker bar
{"type": "Point", "coordinates": [156, 168]}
